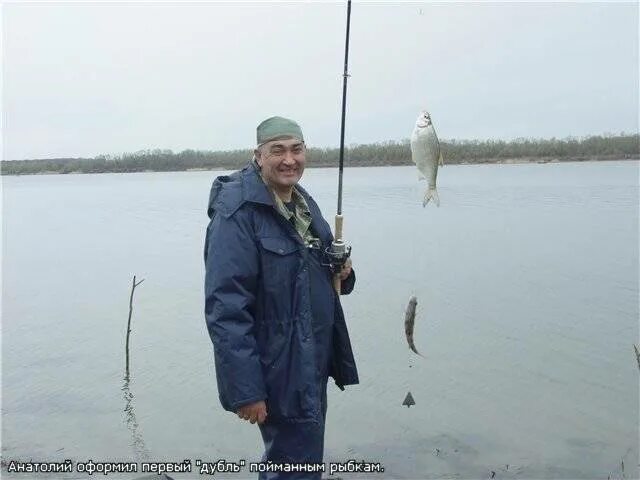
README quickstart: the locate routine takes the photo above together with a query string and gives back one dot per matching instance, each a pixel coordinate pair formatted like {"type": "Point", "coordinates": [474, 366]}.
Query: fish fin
{"type": "Point", "coordinates": [441, 161]}
{"type": "Point", "coordinates": [431, 194]}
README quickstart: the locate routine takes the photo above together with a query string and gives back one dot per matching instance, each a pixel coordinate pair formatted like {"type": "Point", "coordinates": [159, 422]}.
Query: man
{"type": "Point", "coordinates": [275, 320]}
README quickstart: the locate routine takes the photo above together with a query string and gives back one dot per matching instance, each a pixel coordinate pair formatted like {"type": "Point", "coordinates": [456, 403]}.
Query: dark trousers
{"type": "Point", "coordinates": [300, 442]}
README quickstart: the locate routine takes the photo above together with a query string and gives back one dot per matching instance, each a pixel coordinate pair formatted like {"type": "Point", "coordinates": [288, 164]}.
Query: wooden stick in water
{"type": "Point", "coordinates": [133, 287]}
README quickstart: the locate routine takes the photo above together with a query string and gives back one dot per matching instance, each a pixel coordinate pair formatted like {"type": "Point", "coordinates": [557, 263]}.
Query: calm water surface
{"type": "Point", "coordinates": [527, 283]}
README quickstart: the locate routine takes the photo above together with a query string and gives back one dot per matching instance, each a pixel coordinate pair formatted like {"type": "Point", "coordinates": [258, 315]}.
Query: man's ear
{"type": "Point", "coordinates": [257, 154]}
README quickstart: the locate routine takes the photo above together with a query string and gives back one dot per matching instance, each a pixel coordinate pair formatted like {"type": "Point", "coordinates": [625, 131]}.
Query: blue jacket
{"type": "Point", "coordinates": [258, 302]}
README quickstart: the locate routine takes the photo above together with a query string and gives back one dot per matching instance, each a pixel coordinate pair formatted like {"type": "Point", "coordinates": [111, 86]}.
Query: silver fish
{"type": "Point", "coordinates": [409, 321]}
{"type": "Point", "coordinates": [426, 154]}
{"type": "Point", "coordinates": [637, 354]}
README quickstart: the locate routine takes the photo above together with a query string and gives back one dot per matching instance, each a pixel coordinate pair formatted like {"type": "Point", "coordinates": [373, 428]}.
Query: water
{"type": "Point", "coordinates": [527, 283]}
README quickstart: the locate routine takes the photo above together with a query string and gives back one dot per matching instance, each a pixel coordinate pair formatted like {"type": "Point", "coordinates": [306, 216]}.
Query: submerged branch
{"type": "Point", "coordinates": [133, 288]}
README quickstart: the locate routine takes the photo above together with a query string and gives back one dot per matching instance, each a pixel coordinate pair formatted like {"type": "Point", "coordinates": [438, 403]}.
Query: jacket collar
{"type": "Point", "coordinates": [255, 190]}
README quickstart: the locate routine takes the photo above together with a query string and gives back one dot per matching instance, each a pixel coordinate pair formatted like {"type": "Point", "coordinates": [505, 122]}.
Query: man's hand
{"type": "Point", "coordinates": [346, 269]}
{"type": "Point", "coordinates": [254, 412]}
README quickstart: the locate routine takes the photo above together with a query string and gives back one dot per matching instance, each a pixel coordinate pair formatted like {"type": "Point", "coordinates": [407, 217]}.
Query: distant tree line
{"type": "Point", "coordinates": [601, 147]}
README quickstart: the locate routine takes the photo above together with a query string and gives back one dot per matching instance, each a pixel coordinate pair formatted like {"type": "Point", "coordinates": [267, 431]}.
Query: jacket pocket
{"type": "Point", "coordinates": [279, 261]}
{"type": "Point", "coordinates": [279, 245]}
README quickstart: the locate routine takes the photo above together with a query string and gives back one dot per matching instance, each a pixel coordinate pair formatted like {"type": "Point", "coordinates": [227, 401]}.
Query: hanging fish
{"type": "Point", "coordinates": [409, 322]}
{"type": "Point", "coordinates": [426, 154]}
{"type": "Point", "coordinates": [408, 400]}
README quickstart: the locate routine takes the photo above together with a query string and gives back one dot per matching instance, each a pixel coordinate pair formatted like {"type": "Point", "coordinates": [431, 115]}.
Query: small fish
{"type": "Point", "coordinates": [409, 321]}
{"type": "Point", "coordinates": [426, 154]}
{"type": "Point", "coordinates": [637, 354]}
{"type": "Point", "coordinates": [408, 400]}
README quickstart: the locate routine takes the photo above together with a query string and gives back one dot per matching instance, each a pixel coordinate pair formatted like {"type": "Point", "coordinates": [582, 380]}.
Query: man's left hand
{"type": "Point", "coordinates": [254, 412]}
{"type": "Point", "coordinates": [346, 269]}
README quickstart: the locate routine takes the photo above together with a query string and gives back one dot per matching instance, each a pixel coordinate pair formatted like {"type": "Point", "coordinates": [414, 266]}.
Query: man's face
{"type": "Point", "coordinates": [282, 162]}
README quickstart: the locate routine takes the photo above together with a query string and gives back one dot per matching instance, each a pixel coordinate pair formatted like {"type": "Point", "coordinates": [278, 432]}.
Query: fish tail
{"type": "Point", "coordinates": [413, 348]}
{"type": "Point", "coordinates": [431, 194]}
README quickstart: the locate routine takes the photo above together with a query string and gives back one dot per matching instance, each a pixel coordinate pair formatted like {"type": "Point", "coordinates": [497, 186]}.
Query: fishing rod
{"type": "Point", "coordinates": [339, 251]}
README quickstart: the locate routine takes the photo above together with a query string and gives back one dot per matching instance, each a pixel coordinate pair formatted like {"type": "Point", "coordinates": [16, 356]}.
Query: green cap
{"type": "Point", "coordinates": [277, 127]}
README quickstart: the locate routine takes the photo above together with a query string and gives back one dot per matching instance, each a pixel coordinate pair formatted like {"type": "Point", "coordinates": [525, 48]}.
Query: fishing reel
{"type": "Point", "coordinates": [337, 254]}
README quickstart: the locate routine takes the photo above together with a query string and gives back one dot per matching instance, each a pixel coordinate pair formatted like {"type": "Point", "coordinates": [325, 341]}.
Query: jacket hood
{"type": "Point", "coordinates": [229, 192]}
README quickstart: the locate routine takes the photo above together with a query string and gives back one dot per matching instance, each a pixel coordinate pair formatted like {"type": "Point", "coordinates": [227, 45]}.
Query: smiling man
{"type": "Point", "coordinates": [275, 320]}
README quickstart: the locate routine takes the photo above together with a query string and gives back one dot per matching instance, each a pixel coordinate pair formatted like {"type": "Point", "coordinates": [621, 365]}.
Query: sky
{"type": "Point", "coordinates": [84, 79]}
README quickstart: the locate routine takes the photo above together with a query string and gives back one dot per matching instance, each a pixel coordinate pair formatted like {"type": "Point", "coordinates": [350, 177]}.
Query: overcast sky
{"type": "Point", "coordinates": [82, 79]}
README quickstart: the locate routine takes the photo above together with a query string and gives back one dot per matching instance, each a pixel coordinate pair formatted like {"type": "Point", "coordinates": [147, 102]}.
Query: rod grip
{"type": "Point", "coordinates": [338, 229]}
{"type": "Point", "coordinates": [338, 236]}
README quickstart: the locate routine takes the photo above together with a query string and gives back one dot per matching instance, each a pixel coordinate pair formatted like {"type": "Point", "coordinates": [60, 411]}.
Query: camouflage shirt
{"type": "Point", "coordinates": [301, 219]}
